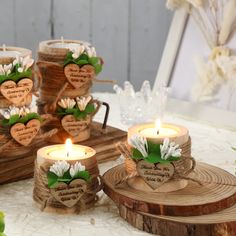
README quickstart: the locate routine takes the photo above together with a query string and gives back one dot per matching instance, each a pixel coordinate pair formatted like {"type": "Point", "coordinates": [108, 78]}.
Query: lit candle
{"type": "Point", "coordinates": [68, 152]}
{"type": "Point", "coordinates": [157, 132]}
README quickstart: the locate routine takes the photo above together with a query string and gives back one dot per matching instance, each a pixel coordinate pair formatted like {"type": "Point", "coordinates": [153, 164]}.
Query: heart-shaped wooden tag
{"type": "Point", "coordinates": [15, 93]}
{"type": "Point", "coordinates": [69, 194]}
{"type": "Point", "coordinates": [24, 134]}
{"type": "Point", "coordinates": [73, 126]}
{"type": "Point", "coordinates": [77, 76]}
{"type": "Point", "coordinates": [155, 174]}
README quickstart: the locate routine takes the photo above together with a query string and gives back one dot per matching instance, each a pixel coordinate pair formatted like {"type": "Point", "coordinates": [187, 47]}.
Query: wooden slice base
{"type": "Point", "coordinates": [222, 223]}
{"type": "Point", "coordinates": [217, 192]}
{"type": "Point", "coordinates": [173, 185]}
{"type": "Point", "coordinates": [21, 167]}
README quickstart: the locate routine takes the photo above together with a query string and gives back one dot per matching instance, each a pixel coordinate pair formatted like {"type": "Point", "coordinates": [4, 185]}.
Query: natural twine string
{"type": "Point", "coordinates": [43, 196]}
{"type": "Point", "coordinates": [183, 167]}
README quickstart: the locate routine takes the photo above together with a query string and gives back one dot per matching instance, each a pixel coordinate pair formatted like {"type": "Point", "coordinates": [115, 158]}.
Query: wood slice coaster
{"type": "Point", "coordinates": [15, 167]}
{"type": "Point", "coordinates": [222, 223]}
{"type": "Point", "coordinates": [217, 192]}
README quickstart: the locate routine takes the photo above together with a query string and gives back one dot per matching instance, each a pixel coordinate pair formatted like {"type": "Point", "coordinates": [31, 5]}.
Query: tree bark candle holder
{"type": "Point", "coordinates": [57, 78]}
{"type": "Point", "coordinates": [74, 184]}
{"type": "Point", "coordinates": [12, 93]}
{"type": "Point", "coordinates": [178, 170]}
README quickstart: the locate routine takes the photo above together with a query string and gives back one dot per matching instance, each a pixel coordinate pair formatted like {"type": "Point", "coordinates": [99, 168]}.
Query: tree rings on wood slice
{"type": "Point", "coordinates": [222, 223]}
{"type": "Point", "coordinates": [217, 192]}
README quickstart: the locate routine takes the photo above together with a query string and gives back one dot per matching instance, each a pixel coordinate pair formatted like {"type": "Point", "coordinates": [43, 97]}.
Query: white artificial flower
{"type": "Point", "coordinates": [67, 103]}
{"type": "Point", "coordinates": [59, 168]}
{"type": "Point", "coordinates": [24, 62]}
{"type": "Point", "coordinates": [76, 52]}
{"type": "Point", "coordinates": [91, 52]}
{"type": "Point", "coordinates": [139, 142]}
{"type": "Point", "coordinates": [77, 167]}
{"type": "Point", "coordinates": [82, 102]}
{"type": "Point", "coordinates": [5, 69]}
{"type": "Point", "coordinates": [169, 149]}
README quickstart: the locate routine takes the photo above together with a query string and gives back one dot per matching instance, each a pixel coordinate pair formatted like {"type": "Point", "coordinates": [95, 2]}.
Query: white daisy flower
{"type": "Point", "coordinates": [59, 168]}
{"type": "Point", "coordinates": [82, 102]}
{"type": "Point", "coordinates": [76, 52]}
{"type": "Point", "coordinates": [77, 167]}
{"type": "Point", "coordinates": [169, 149]}
{"type": "Point", "coordinates": [67, 103]}
{"type": "Point", "coordinates": [139, 142]}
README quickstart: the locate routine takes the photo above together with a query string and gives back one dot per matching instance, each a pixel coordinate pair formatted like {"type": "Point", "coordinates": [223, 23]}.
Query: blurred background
{"type": "Point", "coordinates": [128, 34]}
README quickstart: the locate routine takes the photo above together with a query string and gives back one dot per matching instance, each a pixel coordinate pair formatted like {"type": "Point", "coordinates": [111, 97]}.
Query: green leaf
{"type": "Point", "coordinates": [136, 154]}
{"type": "Point", "coordinates": [83, 57]}
{"type": "Point", "coordinates": [93, 60]}
{"type": "Point", "coordinates": [52, 179]}
{"type": "Point", "coordinates": [2, 224]}
{"type": "Point", "coordinates": [234, 148]}
{"type": "Point", "coordinates": [66, 175]}
{"type": "Point", "coordinates": [13, 119]}
{"type": "Point", "coordinates": [82, 175]}
{"type": "Point", "coordinates": [154, 148]}
{"type": "Point", "coordinates": [82, 62]}
{"type": "Point", "coordinates": [98, 68]}
{"type": "Point", "coordinates": [5, 122]}
{"type": "Point", "coordinates": [90, 108]}
{"type": "Point", "coordinates": [153, 158]}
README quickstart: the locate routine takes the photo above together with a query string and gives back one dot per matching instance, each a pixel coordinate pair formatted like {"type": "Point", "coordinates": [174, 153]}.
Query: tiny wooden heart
{"type": "Point", "coordinates": [24, 134]}
{"type": "Point", "coordinates": [73, 126]}
{"type": "Point", "coordinates": [70, 194]}
{"type": "Point", "coordinates": [15, 93]}
{"type": "Point", "coordinates": [155, 174]}
{"type": "Point", "coordinates": [77, 76]}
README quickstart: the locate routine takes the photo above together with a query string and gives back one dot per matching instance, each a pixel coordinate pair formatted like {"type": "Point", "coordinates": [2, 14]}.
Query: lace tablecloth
{"type": "Point", "coordinates": [23, 218]}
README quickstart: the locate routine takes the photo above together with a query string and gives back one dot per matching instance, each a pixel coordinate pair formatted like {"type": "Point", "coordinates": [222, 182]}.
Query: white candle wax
{"type": "Point", "coordinates": [64, 45]}
{"type": "Point", "coordinates": [9, 53]}
{"type": "Point", "coordinates": [152, 132]}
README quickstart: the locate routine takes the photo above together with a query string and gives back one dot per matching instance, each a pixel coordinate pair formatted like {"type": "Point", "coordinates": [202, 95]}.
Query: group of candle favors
{"type": "Point", "coordinates": [157, 157]}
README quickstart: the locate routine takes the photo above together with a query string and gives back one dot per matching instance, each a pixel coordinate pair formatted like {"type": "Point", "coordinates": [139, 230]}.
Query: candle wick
{"type": "Point", "coordinates": [67, 154]}
{"type": "Point", "coordinates": [158, 131]}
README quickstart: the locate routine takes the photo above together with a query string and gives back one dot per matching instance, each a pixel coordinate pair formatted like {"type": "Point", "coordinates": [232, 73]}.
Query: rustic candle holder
{"type": "Point", "coordinates": [66, 198]}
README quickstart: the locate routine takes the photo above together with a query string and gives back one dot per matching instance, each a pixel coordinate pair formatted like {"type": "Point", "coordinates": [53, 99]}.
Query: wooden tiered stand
{"type": "Point", "coordinates": [197, 210]}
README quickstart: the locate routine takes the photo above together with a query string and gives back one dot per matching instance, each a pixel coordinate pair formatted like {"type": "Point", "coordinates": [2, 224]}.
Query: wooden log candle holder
{"type": "Point", "coordinates": [73, 190]}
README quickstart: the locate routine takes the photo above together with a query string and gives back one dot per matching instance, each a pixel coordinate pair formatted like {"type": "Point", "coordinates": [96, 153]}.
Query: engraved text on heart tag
{"type": "Point", "coordinates": [70, 194]}
{"type": "Point", "coordinates": [155, 174]}
{"type": "Point", "coordinates": [73, 126]}
{"type": "Point", "coordinates": [24, 134]}
{"type": "Point", "coordinates": [15, 93]}
{"type": "Point", "coordinates": [77, 76]}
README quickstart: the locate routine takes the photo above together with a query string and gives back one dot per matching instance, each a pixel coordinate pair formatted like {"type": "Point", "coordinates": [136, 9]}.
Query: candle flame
{"type": "Point", "coordinates": [68, 147]}
{"type": "Point", "coordinates": [158, 125]}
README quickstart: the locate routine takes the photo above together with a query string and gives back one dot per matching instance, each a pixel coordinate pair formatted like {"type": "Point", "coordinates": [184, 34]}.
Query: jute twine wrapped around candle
{"type": "Point", "coordinates": [183, 167]}
{"type": "Point", "coordinates": [47, 202]}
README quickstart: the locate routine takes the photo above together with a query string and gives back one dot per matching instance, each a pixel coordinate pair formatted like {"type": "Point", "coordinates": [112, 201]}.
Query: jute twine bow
{"type": "Point", "coordinates": [183, 167]}
{"type": "Point", "coordinates": [9, 144]}
{"type": "Point", "coordinates": [43, 196]}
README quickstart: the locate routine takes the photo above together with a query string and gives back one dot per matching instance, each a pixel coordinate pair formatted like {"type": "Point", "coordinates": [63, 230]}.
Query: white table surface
{"type": "Point", "coordinates": [23, 218]}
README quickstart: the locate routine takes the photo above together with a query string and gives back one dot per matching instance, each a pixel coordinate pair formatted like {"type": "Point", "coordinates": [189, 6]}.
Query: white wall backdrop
{"type": "Point", "coordinates": [128, 34]}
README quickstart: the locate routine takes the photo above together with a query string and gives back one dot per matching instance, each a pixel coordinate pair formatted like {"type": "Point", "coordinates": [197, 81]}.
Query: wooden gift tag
{"type": "Point", "coordinates": [15, 93]}
{"type": "Point", "coordinates": [24, 134]}
{"type": "Point", "coordinates": [70, 194]}
{"type": "Point", "coordinates": [155, 174]}
{"type": "Point", "coordinates": [73, 126]}
{"type": "Point", "coordinates": [77, 76]}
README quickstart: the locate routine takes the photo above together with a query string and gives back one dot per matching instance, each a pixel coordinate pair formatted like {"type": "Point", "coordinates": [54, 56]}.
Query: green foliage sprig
{"type": "Point", "coordinates": [15, 75]}
{"type": "Point", "coordinates": [84, 59]}
{"type": "Point", "coordinates": [76, 112]}
{"type": "Point", "coordinates": [154, 155]}
{"type": "Point", "coordinates": [19, 119]}
{"type": "Point", "coordinates": [2, 224]}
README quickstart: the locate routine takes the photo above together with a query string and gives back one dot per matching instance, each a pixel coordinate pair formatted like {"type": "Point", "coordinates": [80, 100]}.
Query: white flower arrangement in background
{"type": "Point", "coordinates": [169, 149]}
{"type": "Point", "coordinates": [67, 103]}
{"type": "Point", "coordinates": [5, 69]}
{"type": "Point", "coordinates": [59, 168]}
{"type": "Point", "coordinates": [140, 143]}
{"type": "Point", "coordinates": [82, 102]}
